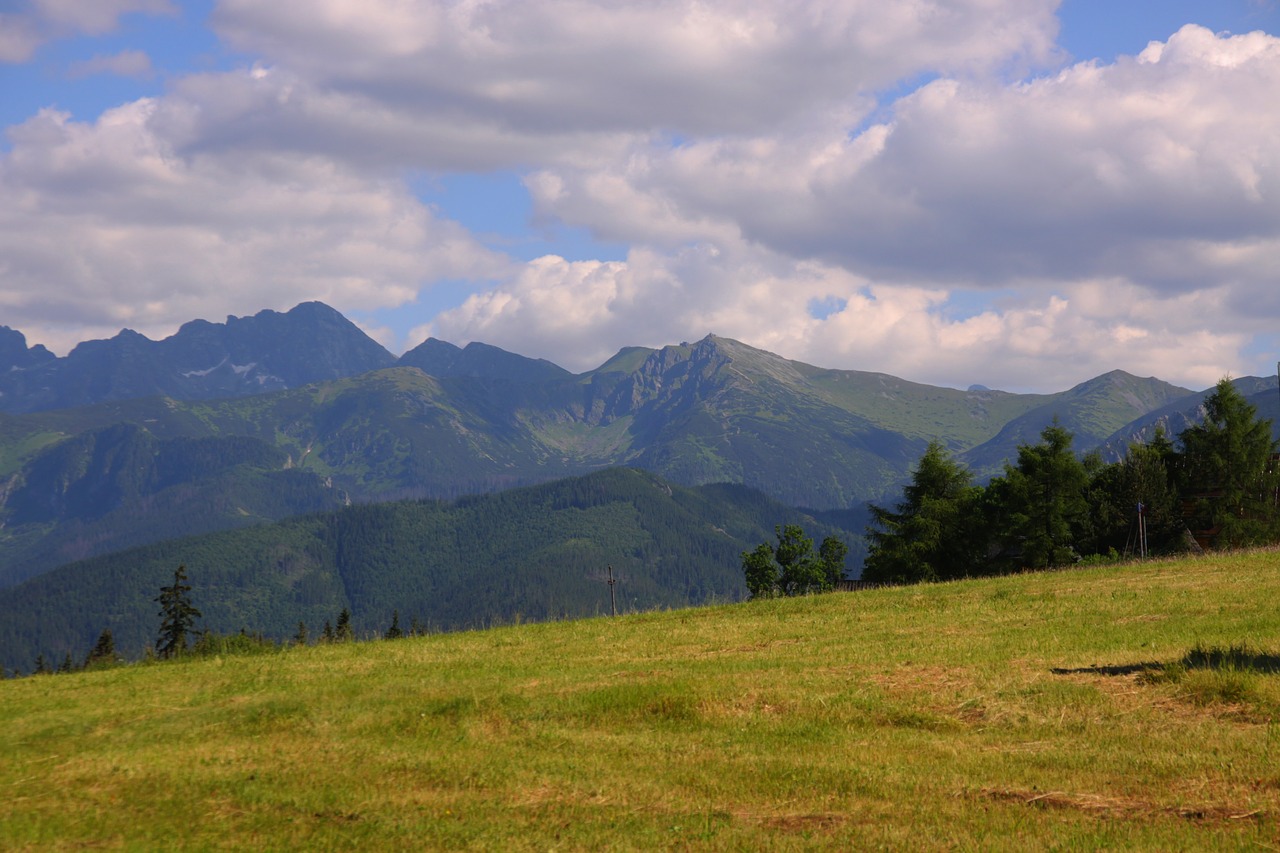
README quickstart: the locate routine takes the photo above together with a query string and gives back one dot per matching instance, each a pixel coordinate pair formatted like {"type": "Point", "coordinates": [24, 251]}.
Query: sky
{"type": "Point", "coordinates": [1022, 194]}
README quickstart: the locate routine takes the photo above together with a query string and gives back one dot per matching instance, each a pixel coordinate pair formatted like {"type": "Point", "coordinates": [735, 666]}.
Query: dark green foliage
{"type": "Point", "coordinates": [791, 567]}
{"type": "Point", "coordinates": [1116, 492]}
{"type": "Point", "coordinates": [532, 554]}
{"type": "Point", "coordinates": [394, 632]}
{"type": "Point", "coordinates": [103, 652]}
{"type": "Point", "coordinates": [300, 636]}
{"type": "Point", "coordinates": [212, 644]}
{"type": "Point", "coordinates": [760, 571]}
{"type": "Point", "coordinates": [342, 630]}
{"type": "Point", "coordinates": [177, 616]}
{"type": "Point", "coordinates": [1226, 467]}
{"type": "Point", "coordinates": [935, 533]}
{"type": "Point", "coordinates": [1039, 505]}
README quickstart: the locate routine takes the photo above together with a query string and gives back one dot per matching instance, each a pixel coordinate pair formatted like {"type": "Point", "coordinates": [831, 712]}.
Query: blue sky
{"type": "Point", "coordinates": [1017, 193]}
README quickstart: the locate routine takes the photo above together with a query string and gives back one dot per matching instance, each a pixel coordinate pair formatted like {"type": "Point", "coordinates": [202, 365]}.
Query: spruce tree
{"type": "Point", "coordinates": [394, 632]}
{"type": "Point", "coordinates": [300, 637]}
{"type": "Point", "coordinates": [103, 651]}
{"type": "Point", "coordinates": [935, 532]}
{"type": "Point", "coordinates": [177, 615]}
{"type": "Point", "coordinates": [342, 631]}
{"type": "Point", "coordinates": [1226, 467]}
{"type": "Point", "coordinates": [1040, 505]}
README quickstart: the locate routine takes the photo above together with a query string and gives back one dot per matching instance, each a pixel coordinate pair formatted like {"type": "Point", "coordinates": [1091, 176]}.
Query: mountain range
{"type": "Point", "coordinates": [128, 442]}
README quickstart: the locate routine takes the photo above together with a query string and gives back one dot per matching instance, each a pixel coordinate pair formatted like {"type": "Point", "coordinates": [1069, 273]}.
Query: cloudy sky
{"type": "Point", "coordinates": [1018, 193]}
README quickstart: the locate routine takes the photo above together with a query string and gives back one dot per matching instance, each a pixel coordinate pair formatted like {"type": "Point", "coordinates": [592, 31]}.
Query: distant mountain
{"type": "Point", "coordinates": [484, 420]}
{"type": "Point", "coordinates": [1261, 392]}
{"type": "Point", "coordinates": [534, 553]}
{"type": "Point", "coordinates": [247, 355]}
{"type": "Point", "coordinates": [480, 361]}
{"type": "Point", "coordinates": [1092, 411]}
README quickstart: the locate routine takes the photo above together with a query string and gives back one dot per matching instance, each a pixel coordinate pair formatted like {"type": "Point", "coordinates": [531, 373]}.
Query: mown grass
{"type": "Point", "coordinates": [1122, 707]}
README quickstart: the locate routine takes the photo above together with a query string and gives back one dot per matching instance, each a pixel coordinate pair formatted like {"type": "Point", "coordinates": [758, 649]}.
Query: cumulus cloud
{"type": "Point", "coordinates": [106, 225]}
{"type": "Point", "coordinates": [1156, 173]}
{"type": "Point", "coordinates": [519, 82]}
{"type": "Point", "coordinates": [578, 314]}
{"type": "Point", "coordinates": [1125, 214]}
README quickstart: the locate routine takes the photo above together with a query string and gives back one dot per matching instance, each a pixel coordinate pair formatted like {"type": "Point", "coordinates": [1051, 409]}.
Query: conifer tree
{"type": "Point", "coordinates": [394, 632]}
{"type": "Point", "coordinates": [935, 532]}
{"type": "Point", "coordinates": [326, 636]}
{"type": "Point", "coordinates": [1040, 504]}
{"type": "Point", "coordinates": [1226, 464]}
{"type": "Point", "coordinates": [178, 616]}
{"type": "Point", "coordinates": [300, 637]}
{"type": "Point", "coordinates": [342, 631]}
{"type": "Point", "coordinates": [103, 651]}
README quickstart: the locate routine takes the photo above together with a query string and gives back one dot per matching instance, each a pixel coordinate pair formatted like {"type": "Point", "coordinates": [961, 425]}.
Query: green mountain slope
{"type": "Point", "coordinates": [1092, 411]}
{"type": "Point", "coordinates": [534, 553]}
{"type": "Point", "coordinates": [716, 410]}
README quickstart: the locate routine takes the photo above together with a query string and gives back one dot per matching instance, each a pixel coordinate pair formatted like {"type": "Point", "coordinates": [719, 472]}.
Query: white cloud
{"type": "Point", "coordinates": [1128, 214]}
{"type": "Point", "coordinates": [106, 225]}
{"type": "Point", "coordinates": [22, 33]}
{"type": "Point", "coordinates": [580, 313]}
{"type": "Point", "coordinates": [1157, 173]}
{"type": "Point", "coordinates": [126, 63]}
{"type": "Point", "coordinates": [524, 82]}
{"type": "Point", "coordinates": [19, 38]}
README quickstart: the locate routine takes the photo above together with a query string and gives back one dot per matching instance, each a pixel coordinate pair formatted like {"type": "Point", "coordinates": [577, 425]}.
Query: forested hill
{"type": "Point", "coordinates": [533, 553]}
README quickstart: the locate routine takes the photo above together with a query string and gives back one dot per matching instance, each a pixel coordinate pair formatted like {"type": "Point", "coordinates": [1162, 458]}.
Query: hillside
{"type": "Point", "coordinates": [1067, 710]}
{"type": "Point", "coordinates": [532, 554]}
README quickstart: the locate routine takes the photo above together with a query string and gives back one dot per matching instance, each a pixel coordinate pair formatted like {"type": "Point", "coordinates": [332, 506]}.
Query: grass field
{"type": "Point", "coordinates": [1123, 707]}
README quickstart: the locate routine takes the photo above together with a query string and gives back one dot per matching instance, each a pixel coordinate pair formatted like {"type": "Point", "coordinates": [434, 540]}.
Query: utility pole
{"type": "Point", "coordinates": [613, 599]}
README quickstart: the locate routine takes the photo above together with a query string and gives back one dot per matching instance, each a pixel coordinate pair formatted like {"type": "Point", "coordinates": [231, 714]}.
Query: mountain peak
{"type": "Point", "coordinates": [247, 355]}
{"type": "Point", "coordinates": [479, 361]}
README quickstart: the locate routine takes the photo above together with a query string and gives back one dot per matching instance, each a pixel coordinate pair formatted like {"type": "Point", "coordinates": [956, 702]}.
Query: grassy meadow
{"type": "Point", "coordinates": [1131, 706]}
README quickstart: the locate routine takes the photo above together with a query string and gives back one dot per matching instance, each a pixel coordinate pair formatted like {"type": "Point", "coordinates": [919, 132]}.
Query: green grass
{"type": "Point", "coordinates": [1128, 706]}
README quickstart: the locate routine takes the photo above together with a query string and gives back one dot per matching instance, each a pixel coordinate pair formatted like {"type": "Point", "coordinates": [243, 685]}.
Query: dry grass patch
{"type": "Point", "coordinates": [1123, 808]}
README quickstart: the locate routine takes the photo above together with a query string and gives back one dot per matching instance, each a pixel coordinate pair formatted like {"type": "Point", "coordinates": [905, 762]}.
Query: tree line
{"type": "Point", "coordinates": [179, 637]}
{"type": "Point", "coordinates": [1217, 485]}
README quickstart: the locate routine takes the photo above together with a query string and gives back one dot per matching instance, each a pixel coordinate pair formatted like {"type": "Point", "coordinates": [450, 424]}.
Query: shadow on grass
{"type": "Point", "coordinates": [1232, 658]}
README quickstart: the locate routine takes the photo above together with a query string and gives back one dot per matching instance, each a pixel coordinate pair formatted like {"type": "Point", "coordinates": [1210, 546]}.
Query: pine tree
{"type": "Point", "coordinates": [300, 637]}
{"type": "Point", "coordinates": [1040, 505]}
{"type": "Point", "coordinates": [1226, 463]}
{"type": "Point", "coordinates": [394, 632]}
{"type": "Point", "coordinates": [177, 615]}
{"type": "Point", "coordinates": [326, 636]}
{"type": "Point", "coordinates": [342, 631]}
{"type": "Point", "coordinates": [935, 532]}
{"type": "Point", "coordinates": [103, 651]}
